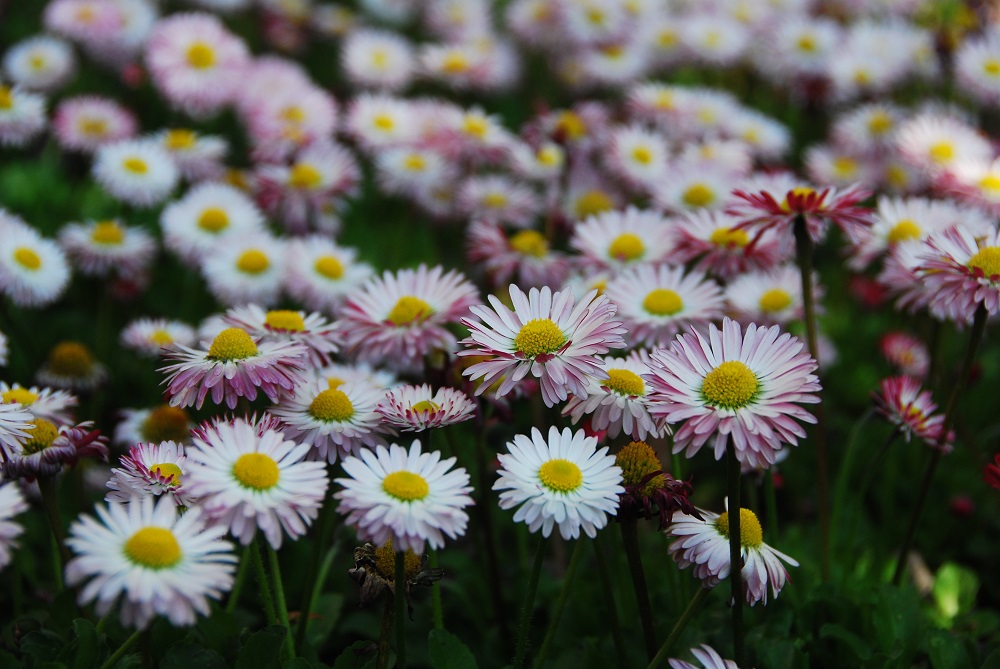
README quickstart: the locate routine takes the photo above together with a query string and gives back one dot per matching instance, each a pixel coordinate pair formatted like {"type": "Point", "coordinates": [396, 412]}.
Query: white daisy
{"type": "Point", "coordinates": [49, 403]}
{"type": "Point", "coordinates": [22, 115]}
{"type": "Point", "coordinates": [205, 214]}
{"type": "Point", "coordinates": [311, 330]}
{"type": "Point", "coordinates": [148, 336]}
{"type": "Point", "coordinates": [617, 404]}
{"type": "Point", "coordinates": [320, 274]}
{"type": "Point", "coordinates": [40, 63]}
{"type": "Point", "coordinates": [246, 269]}
{"type": "Point", "coordinates": [615, 240]}
{"type": "Point", "coordinates": [378, 59]}
{"type": "Point", "coordinates": [15, 425]}
{"type": "Point", "coordinates": [562, 481]}
{"type": "Point", "coordinates": [100, 248]}
{"type": "Point", "coordinates": [12, 502]}
{"type": "Point", "coordinates": [768, 298]}
{"type": "Point", "coordinates": [150, 470]}
{"type": "Point", "coordinates": [33, 270]}
{"type": "Point", "coordinates": [136, 171]}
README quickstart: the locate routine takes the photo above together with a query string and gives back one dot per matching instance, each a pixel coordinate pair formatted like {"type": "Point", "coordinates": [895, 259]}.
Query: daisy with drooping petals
{"type": "Point", "coordinates": [398, 318]}
{"type": "Point", "coordinates": [311, 330]}
{"type": "Point", "coordinates": [547, 335]}
{"type": "Point", "coordinates": [12, 503]}
{"type": "Point", "coordinates": [405, 496]}
{"type": "Point", "coordinates": [648, 488]}
{"type": "Point", "coordinates": [85, 123]}
{"type": "Point", "coordinates": [100, 248]}
{"type": "Point", "coordinates": [150, 470]}
{"type": "Point", "coordinates": [158, 562]}
{"type": "Point", "coordinates": [418, 408]}
{"type": "Point", "coordinates": [71, 365]}
{"type": "Point", "coordinates": [562, 480]}
{"type": "Point", "coordinates": [619, 403]}
{"type": "Point", "coordinates": [616, 240]}
{"type": "Point", "coordinates": [335, 418]}
{"type": "Point", "coordinates": [743, 386]}
{"type": "Point", "coordinates": [156, 425]}
{"type": "Point", "coordinates": [51, 404]}
{"type": "Point", "coordinates": [959, 272]}
{"type": "Point", "coordinates": [149, 336]}
{"type": "Point", "coordinates": [234, 366]}
{"type": "Point", "coordinates": [911, 410]}
{"type": "Point", "coordinates": [707, 657]}
{"type": "Point", "coordinates": [704, 543]}
{"type": "Point", "coordinates": [33, 270]}
{"type": "Point", "coordinates": [246, 475]}
{"type": "Point", "coordinates": [136, 171]}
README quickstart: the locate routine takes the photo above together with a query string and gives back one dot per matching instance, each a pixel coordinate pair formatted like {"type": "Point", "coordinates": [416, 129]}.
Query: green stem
{"type": "Point", "coordinates": [523, 631]}
{"type": "Point", "coordinates": [735, 553]}
{"type": "Point", "coordinates": [611, 610]}
{"type": "Point", "coordinates": [327, 517]}
{"type": "Point", "coordinates": [124, 648]}
{"type": "Point", "coordinates": [241, 576]}
{"type": "Point", "coordinates": [804, 256]}
{"type": "Point", "coordinates": [630, 539]}
{"type": "Point", "coordinates": [873, 465]}
{"type": "Point", "coordinates": [279, 596]}
{"type": "Point", "coordinates": [975, 337]}
{"type": "Point", "coordinates": [50, 503]}
{"type": "Point", "coordinates": [574, 561]}
{"type": "Point", "coordinates": [400, 597]}
{"type": "Point", "coordinates": [385, 634]}
{"type": "Point", "coordinates": [484, 512]}
{"type": "Point", "coordinates": [679, 626]}
{"type": "Point", "coordinates": [844, 474]}
{"type": "Point", "coordinates": [436, 592]}
{"type": "Point", "coordinates": [265, 588]}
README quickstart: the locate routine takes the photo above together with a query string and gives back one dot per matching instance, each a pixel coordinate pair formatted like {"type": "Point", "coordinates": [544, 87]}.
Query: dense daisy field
{"type": "Point", "coordinates": [459, 333]}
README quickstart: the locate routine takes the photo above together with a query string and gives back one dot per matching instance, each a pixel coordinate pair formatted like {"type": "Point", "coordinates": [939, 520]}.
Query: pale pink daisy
{"type": "Point", "coordinates": [41, 402]}
{"type": "Point", "coordinates": [108, 247]}
{"type": "Point", "coordinates": [616, 240]}
{"type": "Point", "coordinates": [414, 408]}
{"type": "Point", "coordinates": [547, 335]}
{"type": "Point", "coordinates": [320, 274]}
{"type": "Point", "coordinates": [290, 118]}
{"type": "Point", "coordinates": [720, 247]}
{"type": "Point", "coordinates": [498, 199]}
{"type": "Point", "coordinates": [961, 272]}
{"type": "Point", "coordinates": [619, 403]}
{"type": "Point", "coordinates": [911, 411]}
{"type": "Point", "coordinates": [906, 353]}
{"type": "Point", "coordinates": [522, 257]}
{"type": "Point", "coordinates": [311, 330]}
{"type": "Point", "coordinates": [151, 469]}
{"type": "Point", "coordinates": [85, 123]}
{"type": "Point", "coordinates": [233, 366]}
{"type": "Point", "coordinates": [247, 476]}
{"type": "Point", "coordinates": [149, 336]}
{"type": "Point", "coordinates": [733, 385]}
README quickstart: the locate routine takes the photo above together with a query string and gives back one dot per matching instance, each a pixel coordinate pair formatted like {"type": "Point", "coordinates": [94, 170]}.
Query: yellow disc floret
{"type": "Point", "coordinates": [638, 460]}
{"type": "Point", "coordinates": [529, 243]}
{"type": "Point", "coordinates": [904, 231]}
{"type": "Point", "coordinates": [428, 406]}
{"type": "Point", "coordinates": [19, 395]}
{"type": "Point", "coordinates": [774, 300]}
{"type": "Point", "coordinates": [168, 470]}
{"type": "Point", "coordinates": [200, 56]}
{"type": "Point", "coordinates": [627, 247]}
{"type": "Point", "coordinates": [213, 219]}
{"type": "Point", "coordinates": [663, 302]}
{"type": "Point", "coordinates": [986, 259]}
{"type": "Point", "coordinates": [560, 475]}
{"type": "Point", "coordinates": [731, 385]}
{"type": "Point", "coordinates": [409, 309]}
{"type": "Point", "coordinates": [180, 139]}
{"type": "Point", "coordinates": [305, 176]}
{"type": "Point", "coordinates": [329, 267]}
{"type": "Point", "coordinates": [71, 358]}
{"type": "Point", "coordinates": [751, 533]}
{"type": "Point", "coordinates": [285, 319]}
{"type": "Point", "coordinates": [107, 232]}
{"type": "Point", "coordinates": [6, 97]}
{"type": "Point", "coordinates": [942, 152]}
{"type": "Point", "coordinates": [253, 261]}
{"type": "Point", "coordinates": [166, 423]}
{"type": "Point", "coordinates": [232, 344]}
{"type": "Point", "coordinates": [593, 202]}
{"type": "Point", "coordinates": [331, 405]}
{"type": "Point", "coordinates": [698, 195]}
{"type": "Point", "coordinates": [135, 165]}
{"type": "Point", "coordinates": [406, 486]}
{"type": "Point", "coordinates": [27, 258]}
{"type": "Point", "coordinates": [153, 548]}
{"type": "Point", "coordinates": [729, 238]}
{"type": "Point", "coordinates": [538, 336]}
{"type": "Point", "coordinates": [41, 434]}
{"type": "Point", "coordinates": [625, 382]}
{"type": "Point", "coordinates": [257, 471]}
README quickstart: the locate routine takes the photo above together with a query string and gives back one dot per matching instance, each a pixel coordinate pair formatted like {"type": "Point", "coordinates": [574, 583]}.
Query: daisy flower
{"type": "Point", "coordinates": [418, 408]}
{"type": "Point", "coordinates": [312, 330]}
{"type": "Point", "coordinates": [157, 562]}
{"type": "Point", "coordinates": [546, 335]}
{"type": "Point", "coordinates": [377, 59]}
{"type": "Point", "coordinates": [935, 141]}
{"type": "Point", "coordinates": [704, 543]}
{"type": "Point", "coordinates": [40, 63]}
{"type": "Point", "coordinates": [33, 270]}
{"type": "Point", "coordinates": [523, 256]}
{"type": "Point", "coordinates": [717, 245]}
{"type": "Point", "coordinates": [707, 658]}
{"type": "Point", "coordinates": [498, 199]}
{"type": "Point", "coordinates": [867, 126]}
{"type": "Point", "coordinates": [977, 67]}
{"type": "Point", "coordinates": [71, 365]}
{"type": "Point", "coordinates": [12, 503]}
{"type": "Point", "coordinates": [290, 118]}
{"type": "Point", "coordinates": [694, 186]}
{"type": "Point", "coordinates": [772, 298]}
{"type": "Point", "coordinates": [198, 157]}
{"type": "Point", "coordinates": [149, 336]}
{"type": "Point", "coordinates": [150, 470]}
{"type": "Point", "coordinates": [615, 240]}
{"type": "Point", "coordinates": [333, 416]}
{"type": "Point", "coordinates": [381, 121]}
{"type": "Point", "coordinates": [617, 404]}
{"type": "Point", "coordinates": [234, 366]}
{"type": "Point", "coordinates": [911, 411]}
{"type": "Point", "coordinates": [647, 487]}
{"type": "Point", "coordinates": [657, 301]}
{"type": "Point", "coordinates": [404, 496]}
{"type": "Point", "coordinates": [15, 426]}
{"type": "Point", "coordinates": [399, 318]}
{"type": "Point", "coordinates": [136, 171]}
{"type": "Point", "coordinates": [740, 385]}
{"type": "Point", "coordinates": [320, 274]}
{"type": "Point", "coordinates": [638, 155]}
{"type": "Point", "coordinates": [906, 353]}
{"type": "Point", "coordinates": [563, 480]}
{"type": "Point", "coordinates": [412, 170]}
{"type": "Point", "coordinates": [975, 182]}
{"type": "Point", "coordinates": [244, 269]}
{"type": "Point", "coordinates": [22, 115]}
{"type": "Point", "coordinates": [51, 404]}
{"type": "Point", "coordinates": [959, 272]}
{"type": "Point", "coordinates": [205, 214]}
{"type": "Point", "coordinates": [100, 248]}
{"type": "Point", "coordinates": [48, 447]}
{"type": "Point", "coordinates": [156, 425]}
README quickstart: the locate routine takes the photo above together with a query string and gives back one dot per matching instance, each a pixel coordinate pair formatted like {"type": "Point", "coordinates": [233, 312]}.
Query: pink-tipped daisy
{"type": "Point", "coordinates": [150, 470]}
{"type": "Point", "coordinates": [102, 248]}
{"type": "Point", "coordinates": [720, 248]}
{"type": "Point", "coordinates": [546, 335]}
{"type": "Point", "coordinates": [734, 385]}
{"type": "Point", "coordinates": [911, 411]}
{"type": "Point", "coordinates": [618, 404]}
{"type": "Point", "coordinates": [48, 447]}
{"type": "Point", "coordinates": [155, 425]}
{"type": "Point", "coordinates": [522, 257]}
{"type": "Point", "coordinates": [311, 330]}
{"type": "Point", "coordinates": [417, 408]}
{"type": "Point", "coordinates": [404, 496]}
{"type": "Point", "coordinates": [86, 123]}
{"type": "Point", "coordinates": [233, 366]}
{"type": "Point", "coordinates": [959, 272]}
{"type": "Point", "coordinates": [616, 240]}
{"type": "Point", "coordinates": [247, 476]}
{"type": "Point", "coordinates": [149, 336]}
{"type": "Point", "coordinates": [906, 353]}
{"type": "Point", "coordinates": [49, 403]}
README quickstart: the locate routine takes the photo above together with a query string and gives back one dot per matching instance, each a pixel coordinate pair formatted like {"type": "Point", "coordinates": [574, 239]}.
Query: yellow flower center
{"type": "Point", "coordinates": [991, 66]}
{"type": "Point", "coordinates": [71, 358]}
{"type": "Point", "coordinates": [380, 58]}
{"type": "Point", "coordinates": [897, 176]}
{"type": "Point", "coordinates": [494, 200]}
{"type": "Point", "coordinates": [107, 232]}
{"type": "Point", "coordinates": [169, 470]}
{"type": "Point", "coordinates": [284, 319]}
{"type": "Point", "coordinates": [571, 126]}
{"type": "Point", "coordinates": [731, 385]}
{"type": "Point", "coordinates": [153, 548]}
{"type": "Point", "coordinates": [165, 423]}
{"type": "Point", "coordinates": [538, 336]}
{"type": "Point", "coordinates": [991, 183]}
{"type": "Point", "coordinates": [941, 152]}
{"type": "Point", "coordinates": [844, 167]}
{"type": "Point", "coordinates": [666, 39]}
{"type": "Point", "coordinates": [135, 165]}
{"type": "Point", "coordinates": [6, 97]}
{"type": "Point", "coordinates": [180, 139]}
{"type": "Point", "coordinates": [986, 259]}
{"type": "Point", "coordinates": [560, 475]}
{"type": "Point", "coordinates": [19, 395]}
{"type": "Point", "coordinates": [729, 238]}
{"type": "Point", "coordinates": [200, 56]}
{"type": "Point", "coordinates": [627, 247]}
{"type": "Point", "coordinates": [257, 471]}
{"type": "Point", "coordinates": [384, 122]}
{"type": "Point", "coordinates": [625, 382]}
{"type": "Point", "coordinates": [409, 309]}
{"type": "Point", "coordinates": [642, 155]}
{"type": "Point", "coordinates": [305, 176]}
{"type": "Point", "coordinates": [549, 156]}
{"type": "Point", "coordinates": [428, 406]}
{"type": "Point", "coordinates": [329, 267]}
{"type": "Point", "coordinates": [638, 460]}
{"type": "Point", "coordinates": [406, 486]}
{"type": "Point", "coordinates": [331, 405]}
{"type": "Point", "coordinates": [94, 127]}
{"type": "Point", "coordinates": [27, 258]}
{"type": "Point", "coordinates": [530, 243]}
{"type": "Point", "coordinates": [775, 300]}
{"type": "Point", "coordinates": [454, 63]}
{"type": "Point", "coordinates": [253, 261]}
{"type": "Point", "coordinates": [662, 302]}
{"type": "Point", "coordinates": [751, 533]}
{"type": "Point", "coordinates": [806, 43]}
{"type": "Point", "coordinates": [904, 231]}
{"type": "Point", "coordinates": [161, 338]}
{"type": "Point", "coordinates": [385, 562]}
{"type": "Point", "coordinates": [415, 162]}
{"type": "Point", "coordinates": [593, 202]}
{"type": "Point", "coordinates": [293, 114]}
{"type": "Point", "coordinates": [698, 195]}
{"type": "Point", "coordinates": [214, 220]}
{"type": "Point", "coordinates": [879, 123]}
{"type": "Point", "coordinates": [41, 434]}
{"type": "Point", "coordinates": [232, 344]}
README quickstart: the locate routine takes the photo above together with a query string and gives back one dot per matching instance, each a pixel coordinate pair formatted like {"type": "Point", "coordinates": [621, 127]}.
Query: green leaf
{"type": "Point", "coordinates": [189, 656]}
{"type": "Point", "coordinates": [947, 651]}
{"type": "Point", "coordinates": [955, 589]}
{"type": "Point", "coordinates": [41, 645]}
{"type": "Point", "coordinates": [85, 650]}
{"type": "Point", "coordinates": [358, 655]}
{"type": "Point", "coordinates": [840, 633]}
{"type": "Point", "coordinates": [992, 661]}
{"type": "Point", "coordinates": [262, 650]}
{"type": "Point", "coordinates": [326, 613]}
{"type": "Point", "coordinates": [447, 652]}
{"type": "Point", "coordinates": [898, 623]}
{"type": "Point", "coordinates": [8, 661]}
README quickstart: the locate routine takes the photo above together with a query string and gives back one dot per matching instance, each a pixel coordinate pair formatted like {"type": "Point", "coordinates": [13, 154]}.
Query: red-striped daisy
{"type": "Point", "coordinates": [418, 408]}
{"type": "Point", "coordinates": [150, 470]}
{"type": "Point", "coordinates": [617, 404]}
{"type": "Point", "coordinates": [311, 330]}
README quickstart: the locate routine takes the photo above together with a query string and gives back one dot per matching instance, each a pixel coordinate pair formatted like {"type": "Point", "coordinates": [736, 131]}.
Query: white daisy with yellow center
{"type": "Point", "coordinates": [247, 269]}
{"type": "Point", "coordinates": [138, 172]}
{"type": "Point", "coordinates": [618, 404]}
{"type": "Point", "coordinates": [33, 270]}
